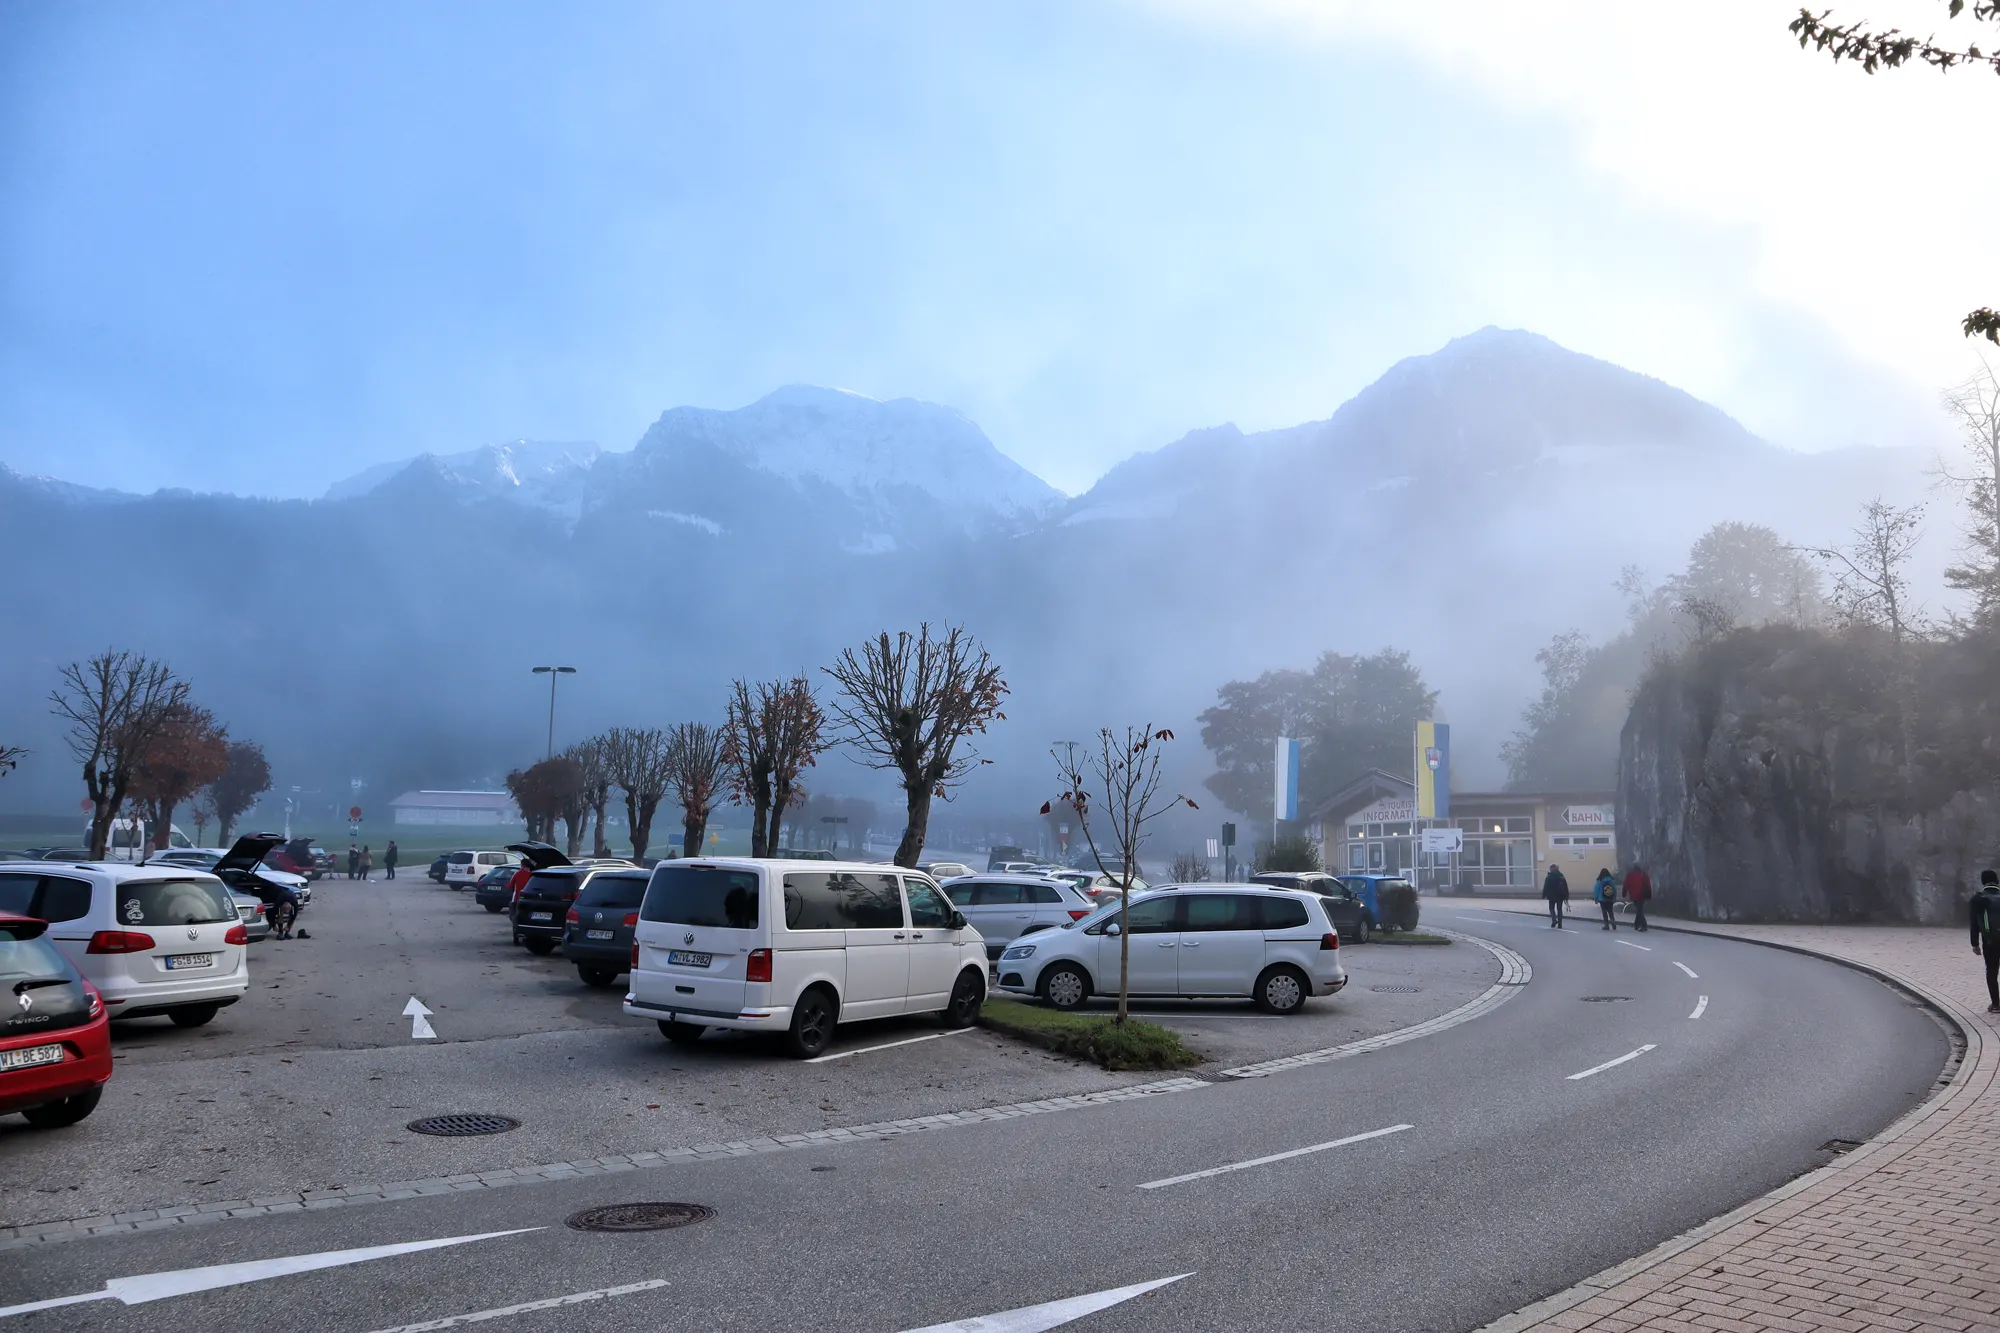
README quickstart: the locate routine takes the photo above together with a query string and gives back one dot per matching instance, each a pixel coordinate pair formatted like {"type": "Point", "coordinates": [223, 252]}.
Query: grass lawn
{"type": "Point", "coordinates": [1408, 937]}
{"type": "Point", "coordinates": [1135, 1044]}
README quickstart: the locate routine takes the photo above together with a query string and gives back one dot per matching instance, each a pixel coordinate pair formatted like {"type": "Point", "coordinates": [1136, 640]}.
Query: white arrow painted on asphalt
{"type": "Point", "coordinates": [185, 1281]}
{"type": "Point", "coordinates": [420, 1026]}
{"type": "Point", "coordinates": [1036, 1318]}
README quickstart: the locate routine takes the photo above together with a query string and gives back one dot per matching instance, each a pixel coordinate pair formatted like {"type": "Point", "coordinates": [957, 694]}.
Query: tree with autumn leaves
{"type": "Point", "coordinates": [772, 733]}
{"type": "Point", "coordinates": [190, 752]}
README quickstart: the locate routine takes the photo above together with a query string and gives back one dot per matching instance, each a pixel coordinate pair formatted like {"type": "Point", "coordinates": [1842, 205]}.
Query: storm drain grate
{"type": "Point", "coordinates": [1604, 999]}
{"type": "Point", "coordinates": [638, 1217]}
{"type": "Point", "coordinates": [1839, 1146]}
{"type": "Point", "coordinates": [1396, 990]}
{"type": "Point", "coordinates": [462, 1125]}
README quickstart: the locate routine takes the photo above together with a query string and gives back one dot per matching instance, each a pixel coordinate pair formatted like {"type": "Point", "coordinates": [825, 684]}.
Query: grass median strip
{"type": "Point", "coordinates": [1134, 1044]}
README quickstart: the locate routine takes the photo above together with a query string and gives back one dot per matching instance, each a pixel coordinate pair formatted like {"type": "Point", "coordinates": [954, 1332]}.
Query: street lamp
{"type": "Point", "coordinates": [553, 672]}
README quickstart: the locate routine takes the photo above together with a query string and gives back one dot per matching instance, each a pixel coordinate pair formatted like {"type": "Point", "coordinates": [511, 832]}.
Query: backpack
{"type": "Point", "coordinates": [1986, 911]}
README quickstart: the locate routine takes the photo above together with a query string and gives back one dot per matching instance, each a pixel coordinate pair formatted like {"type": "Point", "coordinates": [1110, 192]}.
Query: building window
{"type": "Point", "coordinates": [1357, 857]}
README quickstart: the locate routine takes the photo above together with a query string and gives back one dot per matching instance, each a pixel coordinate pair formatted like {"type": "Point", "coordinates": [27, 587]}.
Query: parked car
{"type": "Point", "coordinates": [1377, 893]}
{"type": "Point", "coordinates": [294, 858]}
{"type": "Point", "coordinates": [153, 939]}
{"type": "Point", "coordinates": [1001, 907]}
{"type": "Point", "coordinates": [1096, 883]}
{"type": "Point", "coordinates": [439, 866]}
{"type": "Point", "coordinates": [1001, 855]}
{"type": "Point", "coordinates": [463, 869]}
{"type": "Point", "coordinates": [245, 866]}
{"type": "Point", "coordinates": [55, 1039]}
{"type": "Point", "coordinates": [944, 870]}
{"type": "Point", "coordinates": [60, 853]}
{"type": "Point", "coordinates": [601, 923]}
{"type": "Point", "coordinates": [1273, 946]}
{"type": "Point", "coordinates": [495, 889]}
{"type": "Point", "coordinates": [1351, 915]}
{"type": "Point", "coordinates": [541, 906]}
{"type": "Point", "coordinates": [250, 911]}
{"type": "Point", "coordinates": [797, 947]}
{"type": "Point", "coordinates": [322, 859]}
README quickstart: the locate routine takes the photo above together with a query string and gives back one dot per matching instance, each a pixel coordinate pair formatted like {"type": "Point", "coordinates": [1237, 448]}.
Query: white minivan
{"type": "Point", "coordinates": [797, 947]}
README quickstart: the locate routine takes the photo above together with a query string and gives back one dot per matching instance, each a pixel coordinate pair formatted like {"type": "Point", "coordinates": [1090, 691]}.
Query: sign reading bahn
{"type": "Point", "coordinates": [1588, 816]}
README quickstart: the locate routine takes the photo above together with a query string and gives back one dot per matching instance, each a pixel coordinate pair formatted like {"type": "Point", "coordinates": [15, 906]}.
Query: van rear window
{"type": "Point", "coordinates": [172, 902]}
{"type": "Point", "coordinates": [613, 891]}
{"type": "Point", "coordinates": [696, 895]}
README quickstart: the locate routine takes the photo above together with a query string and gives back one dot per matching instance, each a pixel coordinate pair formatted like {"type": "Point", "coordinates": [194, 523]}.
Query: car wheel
{"type": "Point", "coordinates": [812, 1025]}
{"type": "Point", "coordinates": [1064, 986]}
{"type": "Point", "coordinates": [539, 947]}
{"type": "Point", "coordinates": [596, 975]}
{"type": "Point", "coordinates": [193, 1016]}
{"type": "Point", "coordinates": [1361, 931]}
{"type": "Point", "coordinates": [493, 907]}
{"type": "Point", "coordinates": [681, 1034]}
{"type": "Point", "coordinates": [966, 998]}
{"type": "Point", "coordinates": [1282, 990]}
{"type": "Point", "coordinates": [56, 1115]}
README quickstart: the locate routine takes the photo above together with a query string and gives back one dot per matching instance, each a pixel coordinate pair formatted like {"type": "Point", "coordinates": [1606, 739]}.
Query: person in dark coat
{"type": "Point", "coordinates": [353, 861]}
{"type": "Point", "coordinates": [389, 858]}
{"type": "Point", "coordinates": [1638, 892]}
{"type": "Point", "coordinates": [1556, 890]}
{"type": "Point", "coordinates": [1605, 893]}
{"type": "Point", "coordinates": [1985, 916]}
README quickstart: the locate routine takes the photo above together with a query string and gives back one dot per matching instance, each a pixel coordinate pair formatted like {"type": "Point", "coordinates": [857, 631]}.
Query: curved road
{"type": "Point", "coordinates": [1513, 1179]}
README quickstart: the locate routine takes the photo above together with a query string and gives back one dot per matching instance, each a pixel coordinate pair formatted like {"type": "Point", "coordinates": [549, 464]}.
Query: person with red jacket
{"type": "Point", "coordinates": [1638, 891]}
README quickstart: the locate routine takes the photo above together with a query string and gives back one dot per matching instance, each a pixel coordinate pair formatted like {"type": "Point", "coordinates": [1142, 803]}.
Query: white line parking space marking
{"type": "Point", "coordinates": [1613, 1064]}
{"type": "Point", "coordinates": [1037, 1318]}
{"type": "Point", "coordinates": [1690, 971]}
{"type": "Point", "coordinates": [1274, 1157]}
{"type": "Point", "coordinates": [1628, 944]}
{"type": "Point", "coordinates": [907, 1041]}
{"type": "Point", "coordinates": [554, 1302]}
{"type": "Point", "coordinates": [1699, 1006]}
{"type": "Point", "coordinates": [184, 1281]}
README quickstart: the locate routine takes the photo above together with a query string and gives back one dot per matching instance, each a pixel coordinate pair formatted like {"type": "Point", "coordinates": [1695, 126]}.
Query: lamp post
{"type": "Point", "coordinates": [553, 672]}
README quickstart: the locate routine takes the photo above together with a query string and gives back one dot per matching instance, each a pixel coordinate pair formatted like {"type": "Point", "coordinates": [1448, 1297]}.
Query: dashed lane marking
{"type": "Point", "coordinates": [887, 1045]}
{"type": "Point", "coordinates": [1700, 1006]}
{"type": "Point", "coordinates": [527, 1307]}
{"type": "Point", "coordinates": [1690, 971]}
{"type": "Point", "coordinates": [1628, 944]}
{"type": "Point", "coordinates": [1054, 1314]}
{"type": "Point", "coordinates": [1613, 1064]}
{"type": "Point", "coordinates": [1274, 1157]}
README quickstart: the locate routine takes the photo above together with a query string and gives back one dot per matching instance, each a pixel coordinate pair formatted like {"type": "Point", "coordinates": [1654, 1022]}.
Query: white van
{"type": "Point", "coordinates": [130, 840]}
{"type": "Point", "coordinates": [798, 946]}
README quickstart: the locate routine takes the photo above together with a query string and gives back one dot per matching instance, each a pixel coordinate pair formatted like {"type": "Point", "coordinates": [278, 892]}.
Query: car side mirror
{"type": "Point", "coordinates": [956, 921]}
{"type": "Point", "coordinates": [1111, 928]}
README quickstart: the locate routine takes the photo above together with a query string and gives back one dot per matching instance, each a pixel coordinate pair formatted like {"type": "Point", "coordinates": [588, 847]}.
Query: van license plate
{"type": "Point", "coordinates": [30, 1056]}
{"type": "Point", "coordinates": [597, 934]}
{"type": "Point", "coordinates": [541, 916]}
{"type": "Point", "coordinates": [177, 961]}
{"type": "Point", "coordinates": [681, 958]}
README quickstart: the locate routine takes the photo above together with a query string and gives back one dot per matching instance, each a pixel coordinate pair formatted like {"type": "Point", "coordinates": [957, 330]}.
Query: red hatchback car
{"type": "Point", "coordinates": [55, 1039]}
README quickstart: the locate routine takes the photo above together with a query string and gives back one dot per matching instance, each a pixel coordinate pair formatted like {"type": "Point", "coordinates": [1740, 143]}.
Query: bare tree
{"type": "Point", "coordinates": [202, 810]}
{"type": "Point", "coordinates": [10, 756]}
{"type": "Point", "coordinates": [596, 792]}
{"type": "Point", "coordinates": [637, 760]}
{"type": "Point", "coordinates": [1870, 586]}
{"type": "Point", "coordinates": [1114, 794]}
{"type": "Point", "coordinates": [1188, 868]}
{"type": "Point", "coordinates": [1975, 406]}
{"type": "Point", "coordinates": [697, 771]}
{"type": "Point", "coordinates": [245, 777]}
{"type": "Point", "coordinates": [912, 703]}
{"type": "Point", "coordinates": [116, 703]}
{"type": "Point", "coordinates": [772, 735]}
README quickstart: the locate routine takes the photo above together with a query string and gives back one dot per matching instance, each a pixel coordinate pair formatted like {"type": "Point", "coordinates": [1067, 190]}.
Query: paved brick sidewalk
{"type": "Point", "coordinates": [1900, 1234]}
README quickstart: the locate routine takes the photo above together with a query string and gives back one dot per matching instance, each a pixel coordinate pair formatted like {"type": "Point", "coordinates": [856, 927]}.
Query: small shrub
{"type": "Point", "coordinates": [1295, 854]}
{"type": "Point", "coordinates": [1399, 906]}
{"type": "Point", "coordinates": [1135, 1044]}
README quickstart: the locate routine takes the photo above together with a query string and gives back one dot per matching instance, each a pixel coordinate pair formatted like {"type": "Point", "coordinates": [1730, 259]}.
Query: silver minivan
{"type": "Point", "coordinates": [1004, 907]}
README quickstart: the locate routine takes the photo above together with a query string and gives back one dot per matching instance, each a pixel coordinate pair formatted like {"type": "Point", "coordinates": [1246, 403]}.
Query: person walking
{"type": "Point", "coordinates": [1986, 933]}
{"type": "Point", "coordinates": [1638, 892]}
{"type": "Point", "coordinates": [389, 859]}
{"type": "Point", "coordinates": [367, 862]}
{"type": "Point", "coordinates": [353, 861]}
{"type": "Point", "coordinates": [1556, 890]}
{"type": "Point", "coordinates": [1605, 893]}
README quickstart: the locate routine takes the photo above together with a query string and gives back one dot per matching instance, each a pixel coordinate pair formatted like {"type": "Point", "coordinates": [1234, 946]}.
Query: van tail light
{"type": "Point", "coordinates": [1330, 940]}
{"type": "Point", "coordinates": [237, 934]}
{"type": "Point", "coordinates": [571, 916]}
{"type": "Point", "coordinates": [759, 968]}
{"type": "Point", "coordinates": [635, 955]}
{"type": "Point", "coordinates": [119, 941]}
{"type": "Point", "coordinates": [1077, 914]}
{"type": "Point", "coordinates": [95, 1000]}
{"type": "Point", "coordinates": [631, 920]}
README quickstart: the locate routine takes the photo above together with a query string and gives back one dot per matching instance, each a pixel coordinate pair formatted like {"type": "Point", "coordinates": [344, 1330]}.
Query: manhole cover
{"type": "Point", "coordinates": [638, 1217]}
{"type": "Point", "coordinates": [1396, 990]}
{"type": "Point", "coordinates": [463, 1125]}
{"type": "Point", "coordinates": [1604, 999]}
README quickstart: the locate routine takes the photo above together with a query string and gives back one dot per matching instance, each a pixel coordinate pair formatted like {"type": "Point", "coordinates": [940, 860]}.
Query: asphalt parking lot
{"type": "Point", "coordinates": [309, 1082]}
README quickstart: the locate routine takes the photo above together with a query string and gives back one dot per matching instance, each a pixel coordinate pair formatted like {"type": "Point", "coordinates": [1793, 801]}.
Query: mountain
{"type": "Point", "coordinates": [824, 457]}
{"type": "Point", "coordinates": [1466, 506]}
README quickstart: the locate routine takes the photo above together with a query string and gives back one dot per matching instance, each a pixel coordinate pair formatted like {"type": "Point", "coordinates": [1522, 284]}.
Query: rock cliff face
{"type": "Point", "coordinates": [1764, 779]}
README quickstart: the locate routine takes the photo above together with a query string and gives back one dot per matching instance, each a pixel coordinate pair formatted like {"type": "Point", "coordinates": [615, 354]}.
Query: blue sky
{"type": "Point", "coordinates": [258, 247]}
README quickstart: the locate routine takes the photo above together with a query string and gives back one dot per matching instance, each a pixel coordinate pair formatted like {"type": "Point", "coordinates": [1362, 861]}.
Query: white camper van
{"type": "Point", "coordinates": [129, 840]}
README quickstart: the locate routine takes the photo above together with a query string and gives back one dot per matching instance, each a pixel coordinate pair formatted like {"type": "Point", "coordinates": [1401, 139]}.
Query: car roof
{"type": "Point", "coordinates": [125, 872]}
{"type": "Point", "coordinates": [769, 863]}
{"type": "Point", "coordinates": [1015, 877]}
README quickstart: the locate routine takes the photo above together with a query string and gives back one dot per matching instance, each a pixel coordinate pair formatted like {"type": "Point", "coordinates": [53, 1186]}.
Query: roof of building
{"type": "Point", "coordinates": [455, 800]}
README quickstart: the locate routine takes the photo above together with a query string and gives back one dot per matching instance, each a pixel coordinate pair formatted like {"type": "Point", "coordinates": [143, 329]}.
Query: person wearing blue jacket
{"type": "Point", "coordinates": [1605, 894]}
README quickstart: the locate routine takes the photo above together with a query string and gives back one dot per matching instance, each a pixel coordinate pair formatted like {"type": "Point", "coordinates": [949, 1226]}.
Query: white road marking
{"type": "Point", "coordinates": [185, 1281]}
{"type": "Point", "coordinates": [1054, 1314]}
{"type": "Point", "coordinates": [1274, 1157]}
{"type": "Point", "coordinates": [1690, 971]}
{"type": "Point", "coordinates": [553, 1302]}
{"type": "Point", "coordinates": [1628, 944]}
{"type": "Point", "coordinates": [1613, 1064]}
{"type": "Point", "coordinates": [907, 1041]}
{"type": "Point", "coordinates": [420, 1026]}
{"type": "Point", "coordinates": [1699, 1006]}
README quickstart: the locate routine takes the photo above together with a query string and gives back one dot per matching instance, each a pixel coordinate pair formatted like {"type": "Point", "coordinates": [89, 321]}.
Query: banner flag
{"type": "Point", "coordinates": [1285, 783]}
{"type": "Point", "coordinates": [1433, 768]}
